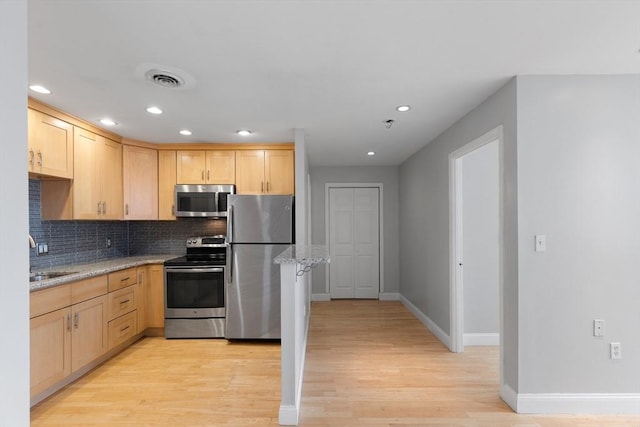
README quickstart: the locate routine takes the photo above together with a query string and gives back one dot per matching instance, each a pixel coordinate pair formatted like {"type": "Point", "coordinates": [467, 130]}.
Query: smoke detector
{"type": "Point", "coordinates": [164, 78]}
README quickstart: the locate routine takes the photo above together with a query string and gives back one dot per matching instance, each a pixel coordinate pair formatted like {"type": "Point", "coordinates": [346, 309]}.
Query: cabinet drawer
{"type": "Point", "coordinates": [83, 290]}
{"type": "Point", "coordinates": [48, 300]}
{"type": "Point", "coordinates": [122, 301]}
{"type": "Point", "coordinates": [121, 329]}
{"type": "Point", "coordinates": [122, 279]}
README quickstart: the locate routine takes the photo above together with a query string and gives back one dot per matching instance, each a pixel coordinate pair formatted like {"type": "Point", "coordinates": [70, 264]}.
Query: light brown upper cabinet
{"type": "Point", "coordinates": [264, 172]}
{"type": "Point", "coordinates": [50, 146]}
{"type": "Point", "coordinates": [140, 179]}
{"type": "Point", "coordinates": [205, 167]}
{"type": "Point", "coordinates": [166, 184]}
{"type": "Point", "coordinates": [97, 184]}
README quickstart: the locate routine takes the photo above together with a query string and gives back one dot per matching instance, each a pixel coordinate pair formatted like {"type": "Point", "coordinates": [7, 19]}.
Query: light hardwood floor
{"type": "Point", "coordinates": [369, 363]}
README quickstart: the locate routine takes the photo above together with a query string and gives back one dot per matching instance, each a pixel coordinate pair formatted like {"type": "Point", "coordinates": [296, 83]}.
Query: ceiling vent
{"type": "Point", "coordinates": [164, 78]}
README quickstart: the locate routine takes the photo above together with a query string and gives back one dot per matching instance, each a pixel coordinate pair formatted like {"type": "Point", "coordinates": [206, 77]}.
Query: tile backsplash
{"type": "Point", "coordinates": [80, 242]}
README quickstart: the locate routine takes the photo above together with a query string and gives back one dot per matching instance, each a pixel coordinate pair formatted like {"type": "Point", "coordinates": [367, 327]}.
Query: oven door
{"type": "Point", "coordinates": [194, 292]}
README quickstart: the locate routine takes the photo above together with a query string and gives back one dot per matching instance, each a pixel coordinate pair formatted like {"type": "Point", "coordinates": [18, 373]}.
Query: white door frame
{"type": "Point", "coordinates": [456, 340]}
{"type": "Point", "coordinates": [379, 186]}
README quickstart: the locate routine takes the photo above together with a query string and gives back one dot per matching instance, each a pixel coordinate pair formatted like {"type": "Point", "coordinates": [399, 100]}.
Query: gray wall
{"type": "Point", "coordinates": [388, 176]}
{"type": "Point", "coordinates": [579, 183]}
{"type": "Point", "coordinates": [14, 285]}
{"type": "Point", "coordinates": [424, 215]}
{"type": "Point", "coordinates": [480, 258]}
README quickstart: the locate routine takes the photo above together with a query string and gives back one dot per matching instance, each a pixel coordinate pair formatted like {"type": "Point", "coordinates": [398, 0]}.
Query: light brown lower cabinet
{"type": "Point", "coordinates": [75, 326]}
{"type": "Point", "coordinates": [50, 349]}
{"type": "Point", "coordinates": [66, 340]}
{"type": "Point", "coordinates": [155, 297]}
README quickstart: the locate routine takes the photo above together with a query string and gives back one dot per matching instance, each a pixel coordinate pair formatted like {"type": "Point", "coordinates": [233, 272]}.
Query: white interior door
{"type": "Point", "coordinates": [354, 242]}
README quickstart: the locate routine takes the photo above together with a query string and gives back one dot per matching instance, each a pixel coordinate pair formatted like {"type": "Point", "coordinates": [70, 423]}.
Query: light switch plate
{"type": "Point", "coordinates": [541, 243]}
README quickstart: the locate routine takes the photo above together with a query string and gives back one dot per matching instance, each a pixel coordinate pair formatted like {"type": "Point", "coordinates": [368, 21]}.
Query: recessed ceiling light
{"type": "Point", "coordinates": [154, 110]}
{"type": "Point", "coordinates": [40, 89]}
{"type": "Point", "coordinates": [244, 132]}
{"type": "Point", "coordinates": [107, 122]}
{"type": "Point", "coordinates": [371, 153]}
{"type": "Point", "coordinates": [403, 108]}
{"type": "Point", "coordinates": [185, 132]}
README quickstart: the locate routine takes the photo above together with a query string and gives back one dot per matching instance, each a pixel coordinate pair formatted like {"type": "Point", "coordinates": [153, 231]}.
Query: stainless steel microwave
{"type": "Point", "coordinates": [206, 200]}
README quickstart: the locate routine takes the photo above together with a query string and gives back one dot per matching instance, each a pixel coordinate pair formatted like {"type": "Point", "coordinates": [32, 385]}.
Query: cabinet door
{"type": "Point", "coordinates": [250, 172]}
{"type": "Point", "coordinates": [110, 166]}
{"type": "Point", "coordinates": [50, 337]}
{"type": "Point", "coordinates": [89, 332]}
{"type": "Point", "coordinates": [140, 182]}
{"type": "Point", "coordinates": [141, 321]}
{"type": "Point", "coordinates": [50, 145]}
{"type": "Point", "coordinates": [279, 172]}
{"type": "Point", "coordinates": [86, 186]}
{"type": "Point", "coordinates": [221, 167]}
{"type": "Point", "coordinates": [166, 184]}
{"type": "Point", "coordinates": [191, 167]}
{"type": "Point", "coordinates": [155, 297]}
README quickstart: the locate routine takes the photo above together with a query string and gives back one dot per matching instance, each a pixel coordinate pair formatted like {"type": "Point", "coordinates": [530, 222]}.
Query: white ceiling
{"type": "Point", "coordinates": [337, 69]}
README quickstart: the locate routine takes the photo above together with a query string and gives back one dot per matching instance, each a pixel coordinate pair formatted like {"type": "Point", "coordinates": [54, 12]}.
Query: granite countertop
{"type": "Point", "coordinates": [83, 271]}
{"type": "Point", "coordinates": [310, 255]}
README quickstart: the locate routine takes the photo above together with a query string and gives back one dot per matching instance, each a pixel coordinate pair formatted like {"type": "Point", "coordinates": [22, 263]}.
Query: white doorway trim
{"type": "Point", "coordinates": [456, 340]}
{"type": "Point", "coordinates": [379, 186]}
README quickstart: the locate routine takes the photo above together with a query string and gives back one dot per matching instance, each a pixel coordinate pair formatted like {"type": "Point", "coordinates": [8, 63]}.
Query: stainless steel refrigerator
{"type": "Point", "coordinates": [258, 229]}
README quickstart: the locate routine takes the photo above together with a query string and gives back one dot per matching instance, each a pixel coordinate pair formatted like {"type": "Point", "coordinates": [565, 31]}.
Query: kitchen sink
{"type": "Point", "coordinates": [51, 275]}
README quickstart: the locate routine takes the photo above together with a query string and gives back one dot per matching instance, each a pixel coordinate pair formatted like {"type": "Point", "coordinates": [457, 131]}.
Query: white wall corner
{"type": "Point", "coordinates": [481, 339]}
{"type": "Point", "coordinates": [320, 297]}
{"type": "Point", "coordinates": [579, 403]}
{"type": "Point", "coordinates": [389, 296]}
{"type": "Point", "coordinates": [435, 330]}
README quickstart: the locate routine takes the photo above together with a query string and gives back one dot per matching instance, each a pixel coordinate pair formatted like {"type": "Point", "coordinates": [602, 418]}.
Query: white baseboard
{"type": "Point", "coordinates": [579, 403]}
{"type": "Point", "coordinates": [320, 297]}
{"type": "Point", "coordinates": [439, 333]}
{"type": "Point", "coordinates": [288, 415]}
{"type": "Point", "coordinates": [481, 339]}
{"type": "Point", "coordinates": [509, 396]}
{"type": "Point", "coordinates": [385, 296]}
{"type": "Point", "coordinates": [389, 296]}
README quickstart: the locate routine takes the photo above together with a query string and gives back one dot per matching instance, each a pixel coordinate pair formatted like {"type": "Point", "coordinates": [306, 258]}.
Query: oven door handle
{"type": "Point", "coordinates": [194, 270]}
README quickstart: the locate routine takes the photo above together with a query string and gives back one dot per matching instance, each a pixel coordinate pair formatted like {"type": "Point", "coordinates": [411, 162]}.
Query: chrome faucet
{"type": "Point", "coordinates": [32, 243]}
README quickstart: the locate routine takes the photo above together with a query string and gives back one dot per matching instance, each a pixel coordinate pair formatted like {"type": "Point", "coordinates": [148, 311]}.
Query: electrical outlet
{"type": "Point", "coordinates": [615, 350]}
{"type": "Point", "coordinates": [108, 242]}
{"type": "Point", "coordinates": [598, 328]}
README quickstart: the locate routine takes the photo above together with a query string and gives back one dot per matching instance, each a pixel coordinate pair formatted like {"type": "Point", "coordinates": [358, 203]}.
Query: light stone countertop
{"type": "Point", "coordinates": [309, 255]}
{"type": "Point", "coordinates": [84, 271]}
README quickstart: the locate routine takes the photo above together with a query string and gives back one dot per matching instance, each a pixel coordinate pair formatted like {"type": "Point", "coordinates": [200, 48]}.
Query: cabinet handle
{"type": "Point", "coordinates": [267, 186]}
{"type": "Point", "coordinates": [99, 209]}
{"type": "Point", "coordinates": [203, 174]}
{"type": "Point", "coordinates": [104, 208]}
{"type": "Point", "coordinates": [39, 158]}
{"type": "Point", "coordinates": [124, 329]}
{"type": "Point", "coordinates": [32, 157]}
{"type": "Point", "coordinates": [140, 278]}
{"type": "Point", "coordinates": [76, 320]}
{"type": "Point", "coordinates": [173, 210]}
{"type": "Point", "coordinates": [126, 209]}
{"type": "Point", "coordinates": [207, 175]}
{"type": "Point", "coordinates": [125, 279]}
{"type": "Point", "coordinates": [262, 187]}
{"type": "Point", "coordinates": [68, 322]}
{"type": "Point", "coordinates": [125, 301]}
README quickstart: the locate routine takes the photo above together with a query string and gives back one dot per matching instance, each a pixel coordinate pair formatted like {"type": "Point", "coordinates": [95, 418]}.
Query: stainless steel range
{"type": "Point", "coordinates": [194, 290]}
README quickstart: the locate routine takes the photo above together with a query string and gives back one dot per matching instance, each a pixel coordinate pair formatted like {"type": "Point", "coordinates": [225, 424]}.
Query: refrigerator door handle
{"type": "Point", "coordinates": [230, 263]}
{"type": "Point", "coordinates": [230, 224]}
